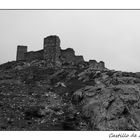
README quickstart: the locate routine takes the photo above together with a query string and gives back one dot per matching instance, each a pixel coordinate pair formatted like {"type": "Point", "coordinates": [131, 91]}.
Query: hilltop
{"type": "Point", "coordinates": [51, 94]}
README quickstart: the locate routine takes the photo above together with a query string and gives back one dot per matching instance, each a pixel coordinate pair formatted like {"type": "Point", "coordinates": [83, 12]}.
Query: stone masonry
{"type": "Point", "coordinates": [21, 50]}
{"type": "Point", "coordinates": [54, 56]}
{"type": "Point", "coordinates": [52, 51]}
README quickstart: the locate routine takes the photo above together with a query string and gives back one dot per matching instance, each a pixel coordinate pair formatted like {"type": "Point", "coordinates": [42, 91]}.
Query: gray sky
{"type": "Point", "coordinates": [103, 35]}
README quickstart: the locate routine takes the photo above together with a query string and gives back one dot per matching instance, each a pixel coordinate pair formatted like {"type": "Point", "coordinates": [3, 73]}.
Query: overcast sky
{"type": "Point", "coordinates": [103, 35]}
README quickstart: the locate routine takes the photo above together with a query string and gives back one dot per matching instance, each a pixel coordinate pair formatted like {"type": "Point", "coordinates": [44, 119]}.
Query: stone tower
{"type": "Point", "coordinates": [21, 50]}
{"type": "Point", "coordinates": [52, 51]}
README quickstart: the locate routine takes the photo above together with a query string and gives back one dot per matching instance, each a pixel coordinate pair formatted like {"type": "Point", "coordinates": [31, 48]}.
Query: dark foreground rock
{"type": "Point", "coordinates": [112, 108]}
{"type": "Point", "coordinates": [36, 98]}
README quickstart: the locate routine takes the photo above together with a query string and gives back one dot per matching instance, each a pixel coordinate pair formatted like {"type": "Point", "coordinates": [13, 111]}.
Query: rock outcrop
{"type": "Point", "coordinates": [111, 108]}
{"type": "Point", "coordinates": [34, 97]}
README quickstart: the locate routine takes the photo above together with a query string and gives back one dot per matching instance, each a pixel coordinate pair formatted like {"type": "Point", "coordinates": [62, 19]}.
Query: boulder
{"type": "Point", "coordinates": [110, 108]}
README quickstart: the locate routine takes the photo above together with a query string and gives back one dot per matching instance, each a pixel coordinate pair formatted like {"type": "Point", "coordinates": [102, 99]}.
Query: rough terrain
{"type": "Point", "coordinates": [33, 97]}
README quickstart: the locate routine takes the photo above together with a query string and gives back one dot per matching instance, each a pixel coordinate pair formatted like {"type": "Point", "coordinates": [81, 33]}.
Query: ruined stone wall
{"type": "Point", "coordinates": [101, 65]}
{"type": "Point", "coordinates": [52, 51]}
{"type": "Point", "coordinates": [79, 59]}
{"type": "Point", "coordinates": [55, 57]}
{"type": "Point", "coordinates": [68, 56]}
{"type": "Point", "coordinates": [94, 64]}
{"type": "Point", "coordinates": [38, 55]}
{"type": "Point", "coordinates": [21, 50]}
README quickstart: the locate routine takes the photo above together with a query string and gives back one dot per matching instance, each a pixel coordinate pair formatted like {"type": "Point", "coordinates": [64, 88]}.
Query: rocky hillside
{"type": "Point", "coordinates": [36, 98]}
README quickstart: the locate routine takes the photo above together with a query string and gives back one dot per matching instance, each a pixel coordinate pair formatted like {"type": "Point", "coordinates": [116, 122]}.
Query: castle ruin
{"type": "Point", "coordinates": [52, 51]}
{"type": "Point", "coordinates": [21, 50]}
{"type": "Point", "coordinates": [54, 56]}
